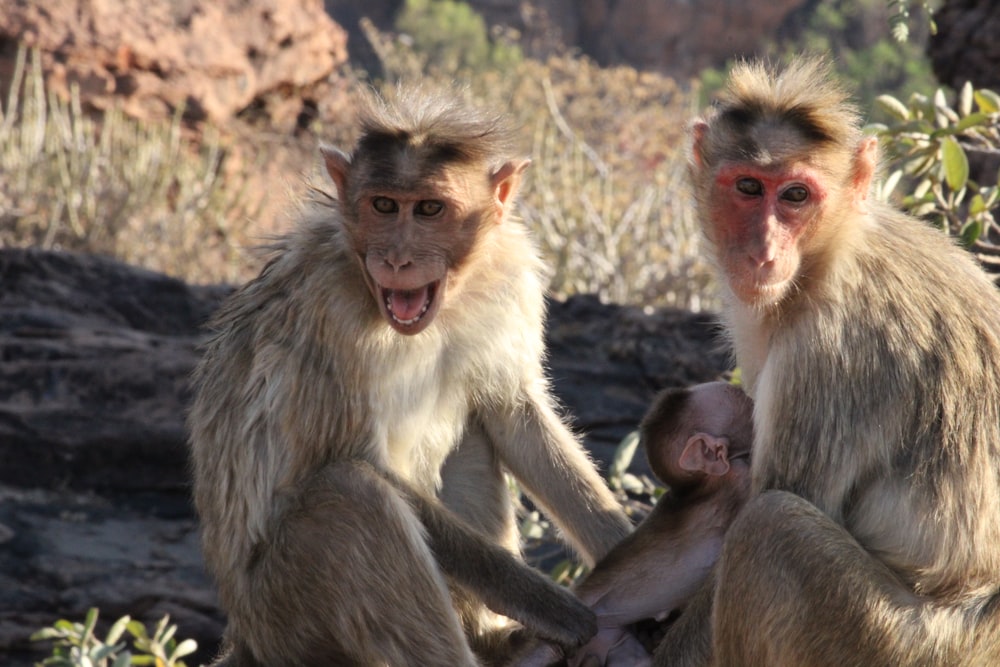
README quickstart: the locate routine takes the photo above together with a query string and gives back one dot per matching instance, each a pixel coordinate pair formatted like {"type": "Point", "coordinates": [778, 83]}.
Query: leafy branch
{"type": "Point", "coordinates": [77, 644]}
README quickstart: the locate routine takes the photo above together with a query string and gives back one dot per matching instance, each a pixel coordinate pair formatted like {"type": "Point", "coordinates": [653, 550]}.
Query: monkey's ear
{"type": "Point", "coordinates": [707, 454]}
{"type": "Point", "coordinates": [698, 130]}
{"type": "Point", "coordinates": [865, 163]}
{"type": "Point", "coordinates": [338, 165]}
{"type": "Point", "coordinates": [505, 182]}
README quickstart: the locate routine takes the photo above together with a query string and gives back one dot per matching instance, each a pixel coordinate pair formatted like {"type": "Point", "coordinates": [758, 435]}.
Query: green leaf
{"type": "Point", "coordinates": [623, 456]}
{"type": "Point", "coordinates": [161, 627]}
{"type": "Point", "coordinates": [631, 483]}
{"type": "Point", "coordinates": [47, 633]}
{"type": "Point", "coordinates": [988, 101]}
{"type": "Point", "coordinates": [67, 626]}
{"type": "Point", "coordinates": [971, 232]}
{"type": "Point", "coordinates": [965, 99]}
{"type": "Point", "coordinates": [90, 622]}
{"type": "Point", "coordinates": [165, 635]}
{"type": "Point", "coordinates": [955, 162]}
{"type": "Point", "coordinates": [117, 630]}
{"type": "Point", "coordinates": [123, 660]}
{"type": "Point", "coordinates": [943, 115]}
{"type": "Point", "coordinates": [891, 182]}
{"type": "Point", "coordinates": [922, 190]}
{"type": "Point", "coordinates": [972, 120]}
{"type": "Point", "coordinates": [977, 205]}
{"type": "Point", "coordinates": [136, 629]}
{"type": "Point", "coordinates": [893, 107]}
{"type": "Point", "coordinates": [186, 647]}
{"type": "Point", "coordinates": [104, 652]}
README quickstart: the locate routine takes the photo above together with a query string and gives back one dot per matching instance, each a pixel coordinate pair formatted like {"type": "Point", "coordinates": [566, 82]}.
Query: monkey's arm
{"type": "Point", "coordinates": [657, 568]}
{"type": "Point", "coordinates": [505, 584]}
{"type": "Point", "coordinates": [552, 467]}
{"type": "Point", "coordinates": [652, 572]}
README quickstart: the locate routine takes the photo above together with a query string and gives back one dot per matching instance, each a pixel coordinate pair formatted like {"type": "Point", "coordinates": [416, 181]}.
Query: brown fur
{"type": "Point", "coordinates": [699, 438]}
{"type": "Point", "coordinates": [349, 468]}
{"type": "Point", "coordinates": [875, 373]}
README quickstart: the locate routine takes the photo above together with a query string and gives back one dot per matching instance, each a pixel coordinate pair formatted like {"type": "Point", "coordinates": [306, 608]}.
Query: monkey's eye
{"type": "Point", "coordinates": [384, 205]}
{"type": "Point", "coordinates": [750, 186]}
{"type": "Point", "coordinates": [428, 208]}
{"type": "Point", "coordinates": [795, 194]}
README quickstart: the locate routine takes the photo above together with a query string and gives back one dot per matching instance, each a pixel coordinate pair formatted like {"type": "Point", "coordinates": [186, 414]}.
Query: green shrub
{"type": "Point", "coordinates": [451, 37]}
{"type": "Point", "coordinates": [77, 644]}
{"type": "Point", "coordinates": [105, 183]}
{"type": "Point", "coordinates": [927, 140]}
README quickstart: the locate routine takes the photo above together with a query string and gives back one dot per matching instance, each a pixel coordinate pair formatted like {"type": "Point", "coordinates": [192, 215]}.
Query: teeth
{"type": "Point", "coordinates": [388, 306]}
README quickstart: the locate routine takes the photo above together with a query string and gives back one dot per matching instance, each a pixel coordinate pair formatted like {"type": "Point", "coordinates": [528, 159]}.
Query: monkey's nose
{"type": "Point", "coordinates": [397, 264]}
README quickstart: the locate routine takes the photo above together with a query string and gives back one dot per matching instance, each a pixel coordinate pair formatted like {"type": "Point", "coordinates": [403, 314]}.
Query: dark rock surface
{"type": "Point", "coordinates": [94, 359]}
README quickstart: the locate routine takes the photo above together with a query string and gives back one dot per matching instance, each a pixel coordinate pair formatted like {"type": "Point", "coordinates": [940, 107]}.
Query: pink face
{"type": "Point", "coordinates": [760, 217]}
{"type": "Point", "coordinates": [412, 241]}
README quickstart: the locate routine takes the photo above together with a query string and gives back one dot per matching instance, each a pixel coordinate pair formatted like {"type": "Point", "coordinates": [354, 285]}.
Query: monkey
{"type": "Point", "coordinates": [358, 404]}
{"type": "Point", "coordinates": [698, 442]}
{"type": "Point", "coordinates": [870, 345]}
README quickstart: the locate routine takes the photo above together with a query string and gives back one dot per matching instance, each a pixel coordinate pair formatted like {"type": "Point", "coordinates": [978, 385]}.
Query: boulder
{"type": "Point", "coordinates": [214, 59]}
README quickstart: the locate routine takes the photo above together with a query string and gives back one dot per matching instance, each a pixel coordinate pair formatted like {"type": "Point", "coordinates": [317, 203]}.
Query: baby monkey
{"type": "Point", "coordinates": [698, 441]}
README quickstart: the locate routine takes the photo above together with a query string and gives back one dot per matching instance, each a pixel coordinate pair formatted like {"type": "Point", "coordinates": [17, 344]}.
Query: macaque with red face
{"type": "Point", "coordinates": [870, 344]}
{"type": "Point", "coordinates": [698, 442]}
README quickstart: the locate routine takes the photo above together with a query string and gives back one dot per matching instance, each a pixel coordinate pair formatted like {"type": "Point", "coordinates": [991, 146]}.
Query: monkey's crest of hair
{"type": "Point", "coordinates": [804, 96]}
{"type": "Point", "coordinates": [438, 123]}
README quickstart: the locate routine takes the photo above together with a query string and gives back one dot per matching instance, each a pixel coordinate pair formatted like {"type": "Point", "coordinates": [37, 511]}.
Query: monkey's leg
{"type": "Point", "coordinates": [794, 588]}
{"type": "Point", "coordinates": [348, 579]}
{"type": "Point", "coordinates": [474, 488]}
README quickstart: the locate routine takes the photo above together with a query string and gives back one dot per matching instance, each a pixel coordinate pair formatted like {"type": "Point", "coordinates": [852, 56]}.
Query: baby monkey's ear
{"type": "Point", "coordinates": [707, 454]}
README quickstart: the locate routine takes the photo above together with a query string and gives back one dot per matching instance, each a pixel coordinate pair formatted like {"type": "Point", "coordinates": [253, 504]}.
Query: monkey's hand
{"type": "Point", "coordinates": [611, 646]}
{"type": "Point", "coordinates": [505, 584]}
{"type": "Point", "coordinates": [542, 654]}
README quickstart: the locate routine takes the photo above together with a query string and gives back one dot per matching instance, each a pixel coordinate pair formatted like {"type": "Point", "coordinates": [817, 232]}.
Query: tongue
{"type": "Point", "coordinates": [407, 304]}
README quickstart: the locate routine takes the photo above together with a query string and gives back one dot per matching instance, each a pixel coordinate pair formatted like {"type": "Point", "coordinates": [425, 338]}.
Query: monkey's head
{"type": "Point", "coordinates": [777, 169]}
{"type": "Point", "coordinates": [426, 183]}
{"type": "Point", "coordinates": [692, 435]}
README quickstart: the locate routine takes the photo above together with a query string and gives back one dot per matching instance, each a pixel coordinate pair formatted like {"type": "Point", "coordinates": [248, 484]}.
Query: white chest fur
{"type": "Point", "coordinates": [419, 406]}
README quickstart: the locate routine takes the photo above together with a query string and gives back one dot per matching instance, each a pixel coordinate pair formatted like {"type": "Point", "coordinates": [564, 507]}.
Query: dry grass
{"type": "Point", "coordinates": [605, 194]}
{"type": "Point", "coordinates": [142, 192]}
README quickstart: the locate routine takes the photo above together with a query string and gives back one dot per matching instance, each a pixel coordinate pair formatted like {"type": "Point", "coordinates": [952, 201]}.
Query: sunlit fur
{"type": "Point", "coordinates": [877, 410]}
{"type": "Point", "coordinates": [318, 432]}
{"type": "Point", "coordinates": [652, 573]}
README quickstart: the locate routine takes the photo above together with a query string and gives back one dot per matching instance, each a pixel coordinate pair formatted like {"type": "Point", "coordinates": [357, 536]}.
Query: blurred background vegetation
{"type": "Point", "coordinates": [606, 195]}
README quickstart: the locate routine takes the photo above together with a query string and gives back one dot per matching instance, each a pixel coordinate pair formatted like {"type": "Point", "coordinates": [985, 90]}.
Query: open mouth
{"type": "Point", "coordinates": [410, 310]}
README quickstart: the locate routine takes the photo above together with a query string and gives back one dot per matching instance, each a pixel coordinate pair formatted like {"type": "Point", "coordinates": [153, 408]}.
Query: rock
{"type": "Point", "coordinates": [965, 47]}
{"type": "Point", "coordinates": [154, 56]}
{"type": "Point", "coordinates": [678, 38]}
{"type": "Point", "coordinates": [94, 487]}
{"type": "Point", "coordinates": [94, 378]}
